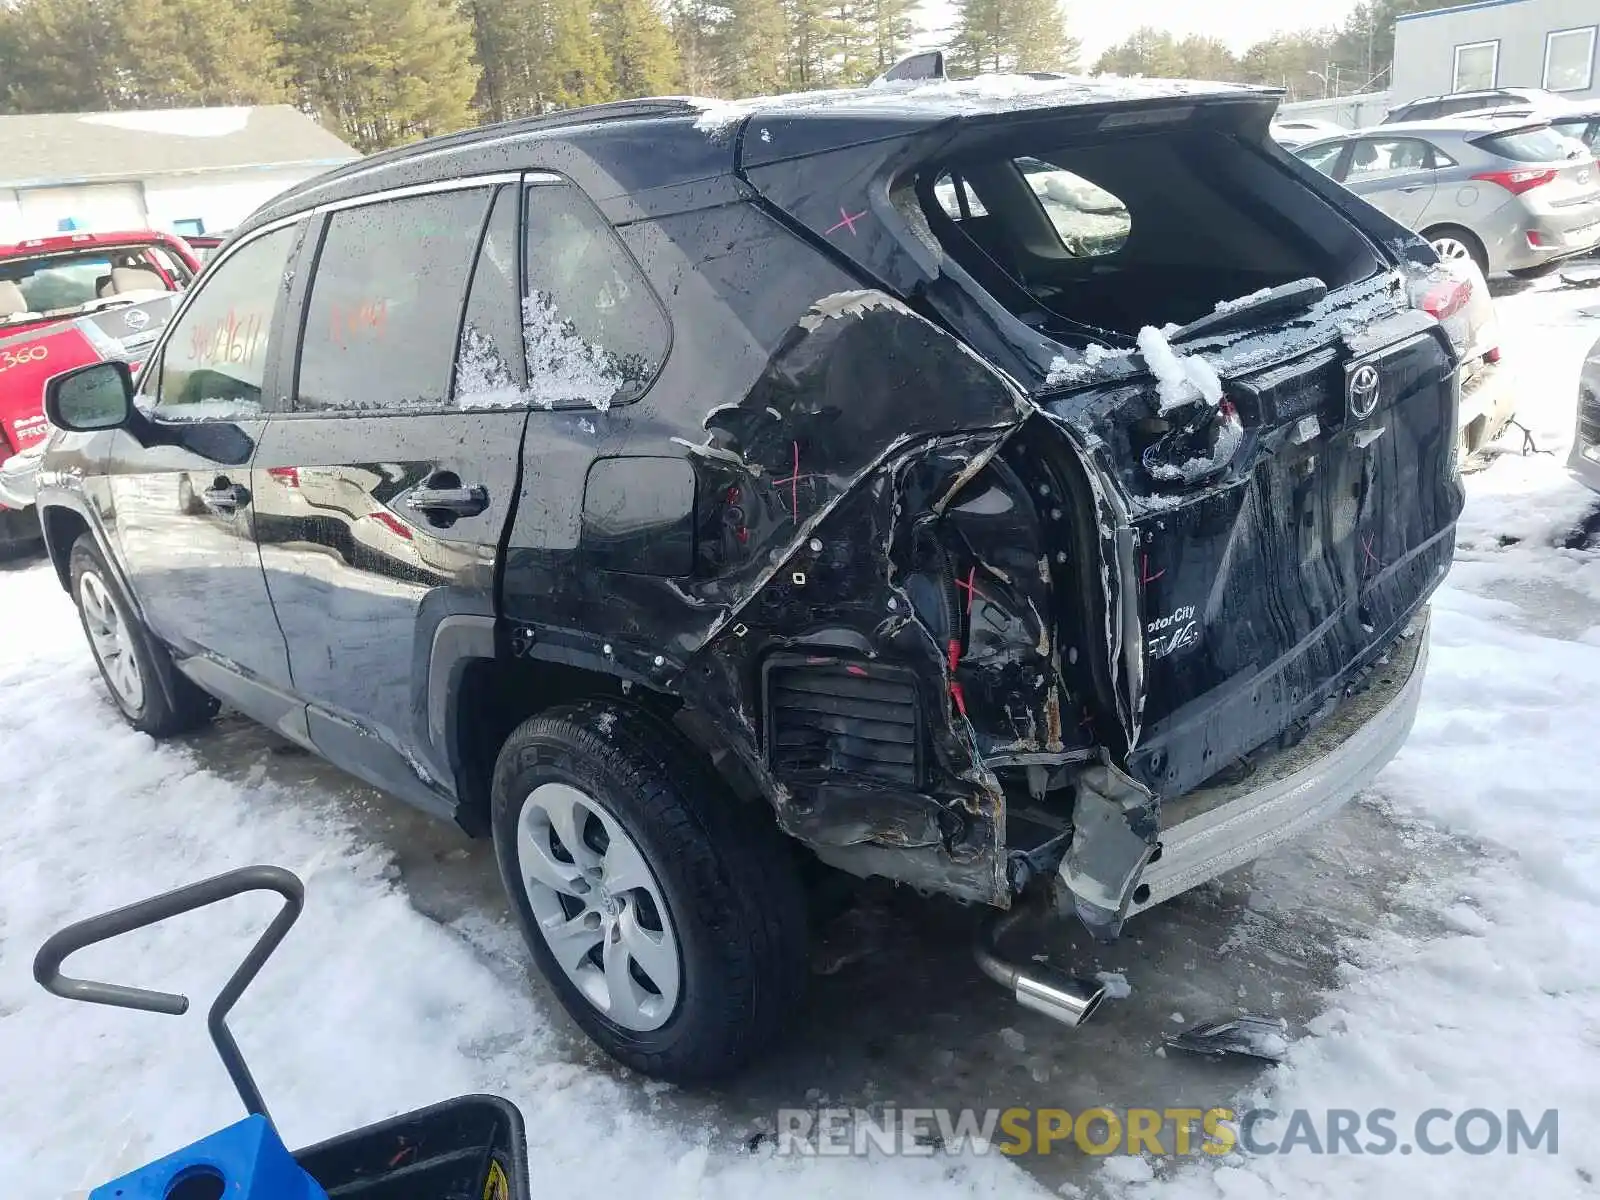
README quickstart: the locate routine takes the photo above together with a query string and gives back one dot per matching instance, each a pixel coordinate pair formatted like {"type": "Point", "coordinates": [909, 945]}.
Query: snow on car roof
{"type": "Point", "coordinates": [980, 95]}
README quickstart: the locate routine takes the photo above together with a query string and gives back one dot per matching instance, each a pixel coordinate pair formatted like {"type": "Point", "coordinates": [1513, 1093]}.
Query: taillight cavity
{"type": "Point", "coordinates": [1517, 182]}
{"type": "Point", "coordinates": [1445, 299]}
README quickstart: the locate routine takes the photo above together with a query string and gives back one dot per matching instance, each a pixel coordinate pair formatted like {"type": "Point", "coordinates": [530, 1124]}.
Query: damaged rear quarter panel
{"type": "Point", "coordinates": [840, 443]}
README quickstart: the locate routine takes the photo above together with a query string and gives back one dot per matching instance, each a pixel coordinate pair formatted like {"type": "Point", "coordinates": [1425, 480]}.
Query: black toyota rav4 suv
{"type": "Point", "coordinates": [1016, 488]}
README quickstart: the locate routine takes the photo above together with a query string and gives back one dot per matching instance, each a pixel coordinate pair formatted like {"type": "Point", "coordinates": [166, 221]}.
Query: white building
{"type": "Point", "coordinates": [1497, 43]}
{"type": "Point", "coordinates": [188, 170]}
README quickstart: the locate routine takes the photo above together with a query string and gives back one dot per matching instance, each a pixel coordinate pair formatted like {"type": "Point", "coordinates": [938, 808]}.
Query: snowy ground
{"type": "Point", "coordinates": [1456, 912]}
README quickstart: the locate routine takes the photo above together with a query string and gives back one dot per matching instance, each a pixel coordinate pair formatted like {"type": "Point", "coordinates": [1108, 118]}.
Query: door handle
{"type": "Point", "coordinates": [225, 497]}
{"type": "Point", "coordinates": [1416, 187]}
{"type": "Point", "coordinates": [463, 500]}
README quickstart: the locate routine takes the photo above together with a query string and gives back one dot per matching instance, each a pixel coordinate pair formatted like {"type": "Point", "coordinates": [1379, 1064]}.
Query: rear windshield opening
{"type": "Point", "coordinates": [1140, 230]}
{"type": "Point", "coordinates": [1538, 145]}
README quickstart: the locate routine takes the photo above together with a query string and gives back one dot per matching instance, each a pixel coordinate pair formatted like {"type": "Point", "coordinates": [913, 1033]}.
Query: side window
{"type": "Point", "coordinates": [593, 332]}
{"type": "Point", "coordinates": [1322, 158]}
{"type": "Point", "coordinates": [1090, 221]}
{"type": "Point", "coordinates": [216, 355]}
{"type": "Point", "coordinates": [1376, 157]}
{"type": "Point", "coordinates": [380, 324]}
{"type": "Point", "coordinates": [956, 197]}
{"type": "Point", "coordinates": [490, 372]}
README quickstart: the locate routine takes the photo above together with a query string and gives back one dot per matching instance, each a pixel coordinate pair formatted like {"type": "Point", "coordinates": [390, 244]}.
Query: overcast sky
{"type": "Point", "coordinates": [1100, 24]}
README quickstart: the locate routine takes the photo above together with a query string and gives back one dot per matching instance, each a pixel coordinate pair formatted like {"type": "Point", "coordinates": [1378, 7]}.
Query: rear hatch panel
{"type": "Point", "coordinates": [1261, 593]}
{"type": "Point", "coordinates": [1238, 604]}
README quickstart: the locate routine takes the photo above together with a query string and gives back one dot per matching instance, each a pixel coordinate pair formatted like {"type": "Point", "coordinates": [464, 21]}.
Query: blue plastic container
{"type": "Point", "coordinates": [245, 1161]}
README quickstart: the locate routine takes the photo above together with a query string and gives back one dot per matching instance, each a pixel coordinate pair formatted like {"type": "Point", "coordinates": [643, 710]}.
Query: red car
{"type": "Point", "coordinates": [47, 286]}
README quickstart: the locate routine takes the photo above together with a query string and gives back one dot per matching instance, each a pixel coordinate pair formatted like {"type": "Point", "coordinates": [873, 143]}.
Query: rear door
{"type": "Point", "coordinates": [385, 490]}
{"type": "Point", "coordinates": [1393, 174]}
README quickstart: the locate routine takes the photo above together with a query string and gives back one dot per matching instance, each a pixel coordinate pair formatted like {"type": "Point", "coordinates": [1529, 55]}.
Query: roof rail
{"type": "Point", "coordinates": [616, 110]}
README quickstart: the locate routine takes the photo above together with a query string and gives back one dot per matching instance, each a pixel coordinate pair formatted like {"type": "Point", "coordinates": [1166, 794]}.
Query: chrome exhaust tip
{"type": "Point", "coordinates": [1057, 995]}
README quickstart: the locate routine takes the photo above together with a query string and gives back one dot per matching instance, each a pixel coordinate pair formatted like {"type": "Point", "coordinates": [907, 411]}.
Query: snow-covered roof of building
{"type": "Point", "coordinates": [62, 148]}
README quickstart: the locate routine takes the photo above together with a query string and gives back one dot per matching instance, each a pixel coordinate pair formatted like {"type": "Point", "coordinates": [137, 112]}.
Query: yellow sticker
{"type": "Point", "coordinates": [495, 1185]}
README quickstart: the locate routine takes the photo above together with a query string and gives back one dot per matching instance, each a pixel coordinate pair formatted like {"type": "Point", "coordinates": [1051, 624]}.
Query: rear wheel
{"type": "Point", "coordinates": [1453, 242]}
{"type": "Point", "coordinates": [667, 917]}
{"type": "Point", "coordinates": [151, 693]}
{"type": "Point", "coordinates": [1539, 272]}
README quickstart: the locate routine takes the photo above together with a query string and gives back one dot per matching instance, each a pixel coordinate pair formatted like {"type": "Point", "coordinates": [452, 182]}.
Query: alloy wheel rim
{"type": "Point", "coordinates": [1450, 248]}
{"type": "Point", "coordinates": [108, 638]}
{"type": "Point", "coordinates": [598, 907]}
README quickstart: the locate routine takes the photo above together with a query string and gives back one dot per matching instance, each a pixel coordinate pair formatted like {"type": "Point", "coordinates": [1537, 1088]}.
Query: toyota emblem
{"type": "Point", "coordinates": [1362, 390]}
{"type": "Point", "coordinates": [136, 318]}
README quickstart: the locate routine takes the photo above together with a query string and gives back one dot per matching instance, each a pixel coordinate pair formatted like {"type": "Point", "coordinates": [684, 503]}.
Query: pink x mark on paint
{"type": "Point", "coordinates": [847, 220]}
{"type": "Point", "coordinates": [1371, 560]}
{"type": "Point", "coordinates": [969, 585]}
{"type": "Point", "coordinates": [793, 481]}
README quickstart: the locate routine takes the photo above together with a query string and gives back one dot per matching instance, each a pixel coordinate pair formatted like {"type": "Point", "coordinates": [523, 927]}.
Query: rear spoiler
{"type": "Point", "coordinates": [928, 64]}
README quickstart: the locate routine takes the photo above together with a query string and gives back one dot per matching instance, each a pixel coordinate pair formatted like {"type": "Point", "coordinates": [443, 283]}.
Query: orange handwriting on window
{"type": "Point", "coordinates": [368, 318]}
{"type": "Point", "coordinates": [233, 339]}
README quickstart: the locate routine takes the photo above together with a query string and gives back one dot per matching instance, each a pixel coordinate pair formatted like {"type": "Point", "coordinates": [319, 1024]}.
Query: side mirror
{"type": "Point", "coordinates": [90, 398]}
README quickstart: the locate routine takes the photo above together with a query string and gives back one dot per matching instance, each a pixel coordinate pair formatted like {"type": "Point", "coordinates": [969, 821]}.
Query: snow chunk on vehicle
{"type": "Point", "coordinates": [1181, 378]}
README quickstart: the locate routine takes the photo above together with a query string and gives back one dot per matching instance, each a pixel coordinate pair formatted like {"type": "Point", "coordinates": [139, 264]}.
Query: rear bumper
{"type": "Point", "coordinates": [1488, 402]}
{"type": "Point", "coordinates": [1214, 830]}
{"type": "Point", "coordinates": [1560, 235]}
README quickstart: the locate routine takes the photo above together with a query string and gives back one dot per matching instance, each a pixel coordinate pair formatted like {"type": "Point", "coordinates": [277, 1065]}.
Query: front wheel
{"type": "Point", "coordinates": [667, 917]}
{"type": "Point", "coordinates": [150, 692]}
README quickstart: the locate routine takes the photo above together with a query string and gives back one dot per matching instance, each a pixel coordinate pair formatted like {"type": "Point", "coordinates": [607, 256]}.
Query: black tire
{"type": "Point", "coordinates": [1468, 240]}
{"type": "Point", "coordinates": [168, 702]}
{"type": "Point", "coordinates": [1541, 271]}
{"type": "Point", "coordinates": [730, 885]}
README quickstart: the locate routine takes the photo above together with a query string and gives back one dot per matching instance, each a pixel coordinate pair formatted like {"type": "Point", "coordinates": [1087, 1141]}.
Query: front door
{"type": "Point", "coordinates": [1395, 174]}
{"type": "Point", "coordinates": [184, 506]}
{"type": "Point", "coordinates": [382, 496]}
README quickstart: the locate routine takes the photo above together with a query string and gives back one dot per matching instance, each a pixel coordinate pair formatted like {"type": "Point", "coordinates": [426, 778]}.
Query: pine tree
{"type": "Point", "coordinates": [1012, 35]}
{"type": "Point", "coordinates": [1156, 54]}
{"type": "Point", "coordinates": [889, 27]}
{"type": "Point", "coordinates": [64, 56]}
{"type": "Point", "coordinates": [383, 72]}
{"type": "Point", "coordinates": [854, 60]}
{"type": "Point", "coordinates": [643, 59]}
{"type": "Point", "coordinates": [201, 52]}
{"type": "Point", "coordinates": [696, 35]}
{"type": "Point", "coordinates": [813, 44]}
{"type": "Point", "coordinates": [575, 70]}
{"type": "Point", "coordinates": [511, 37]}
{"type": "Point", "coordinates": [1146, 51]}
{"type": "Point", "coordinates": [753, 48]}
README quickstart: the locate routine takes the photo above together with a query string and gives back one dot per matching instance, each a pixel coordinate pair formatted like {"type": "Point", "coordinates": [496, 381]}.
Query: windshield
{"type": "Point", "coordinates": [61, 283]}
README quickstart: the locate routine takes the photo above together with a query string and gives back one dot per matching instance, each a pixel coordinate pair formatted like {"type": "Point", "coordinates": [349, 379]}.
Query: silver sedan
{"type": "Point", "coordinates": [1512, 195]}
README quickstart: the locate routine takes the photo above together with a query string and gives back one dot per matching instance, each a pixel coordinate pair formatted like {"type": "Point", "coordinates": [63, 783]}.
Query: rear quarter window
{"type": "Point", "coordinates": [593, 331]}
